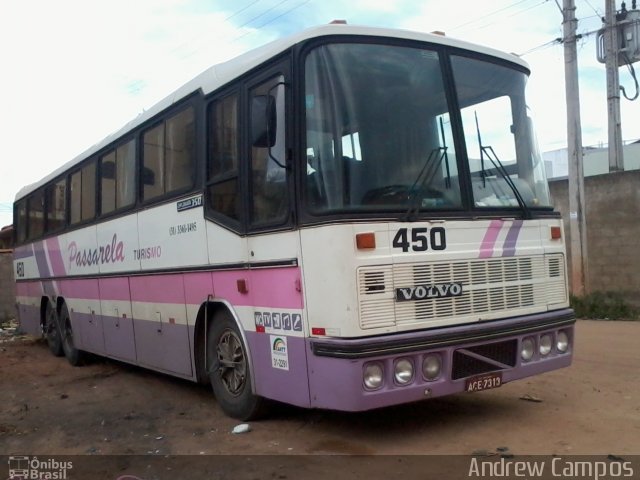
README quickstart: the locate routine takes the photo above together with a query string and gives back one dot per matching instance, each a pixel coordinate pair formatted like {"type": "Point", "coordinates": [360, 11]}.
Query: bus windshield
{"type": "Point", "coordinates": [379, 133]}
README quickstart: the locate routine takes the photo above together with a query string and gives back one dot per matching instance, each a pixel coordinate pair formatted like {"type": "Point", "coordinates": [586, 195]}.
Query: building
{"type": "Point", "coordinates": [595, 160]}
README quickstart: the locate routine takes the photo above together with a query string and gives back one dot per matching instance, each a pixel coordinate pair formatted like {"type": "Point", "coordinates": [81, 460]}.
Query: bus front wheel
{"type": "Point", "coordinates": [229, 370]}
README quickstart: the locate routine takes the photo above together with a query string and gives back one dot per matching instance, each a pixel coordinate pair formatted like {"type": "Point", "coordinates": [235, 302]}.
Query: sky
{"type": "Point", "coordinates": [75, 71]}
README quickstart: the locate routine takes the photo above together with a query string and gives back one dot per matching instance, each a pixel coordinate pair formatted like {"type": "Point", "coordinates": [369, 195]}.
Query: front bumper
{"type": "Point", "coordinates": [336, 366]}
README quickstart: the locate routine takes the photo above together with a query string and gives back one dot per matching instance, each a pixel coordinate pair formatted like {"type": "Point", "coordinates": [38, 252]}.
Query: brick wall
{"type": "Point", "coordinates": [7, 287]}
{"type": "Point", "coordinates": [613, 230]}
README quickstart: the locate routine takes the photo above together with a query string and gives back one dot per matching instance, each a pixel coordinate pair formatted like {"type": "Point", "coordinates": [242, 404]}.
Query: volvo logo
{"type": "Point", "coordinates": [422, 292]}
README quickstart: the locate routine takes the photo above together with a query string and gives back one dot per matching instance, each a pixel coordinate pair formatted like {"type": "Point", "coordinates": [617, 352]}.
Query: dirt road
{"type": "Point", "coordinates": [593, 407]}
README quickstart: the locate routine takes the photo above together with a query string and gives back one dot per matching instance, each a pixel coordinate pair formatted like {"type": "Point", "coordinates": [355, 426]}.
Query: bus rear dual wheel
{"type": "Point", "coordinates": [74, 356]}
{"type": "Point", "coordinates": [52, 330]}
{"type": "Point", "coordinates": [229, 370]}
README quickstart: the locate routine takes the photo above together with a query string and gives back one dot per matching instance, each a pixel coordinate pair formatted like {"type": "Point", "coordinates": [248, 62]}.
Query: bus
{"type": "Point", "coordinates": [345, 219]}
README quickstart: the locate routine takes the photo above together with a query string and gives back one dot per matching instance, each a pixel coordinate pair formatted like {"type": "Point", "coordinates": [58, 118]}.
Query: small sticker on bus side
{"type": "Point", "coordinates": [189, 203]}
{"type": "Point", "coordinates": [279, 352]}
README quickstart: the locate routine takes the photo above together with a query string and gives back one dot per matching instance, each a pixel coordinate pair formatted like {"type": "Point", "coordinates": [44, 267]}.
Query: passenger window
{"type": "Point", "coordinates": [35, 207]}
{"type": "Point", "coordinates": [56, 201]}
{"type": "Point", "coordinates": [108, 181]}
{"type": "Point", "coordinates": [76, 191]}
{"type": "Point", "coordinates": [21, 229]}
{"type": "Point", "coordinates": [126, 174]}
{"type": "Point", "coordinates": [223, 157]}
{"type": "Point", "coordinates": [89, 191]}
{"type": "Point", "coordinates": [270, 200]}
{"type": "Point", "coordinates": [169, 156]}
{"type": "Point", "coordinates": [117, 173]}
{"type": "Point", "coordinates": [83, 193]}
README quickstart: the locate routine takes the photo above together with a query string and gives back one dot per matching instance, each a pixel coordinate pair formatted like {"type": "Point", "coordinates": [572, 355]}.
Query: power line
{"type": "Point", "coordinates": [594, 9]}
{"type": "Point", "coordinates": [488, 15]}
{"type": "Point", "coordinates": [519, 12]}
{"type": "Point", "coordinates": [241, 10]}
{"type": "Point", "coordinates": [527, 9]}
{"type": "Point", "coordinates": [544, 46]}
{"type": "Point", "coordinates": [287, 12]}
{"type": "Point", "coordinates": [262, 14]}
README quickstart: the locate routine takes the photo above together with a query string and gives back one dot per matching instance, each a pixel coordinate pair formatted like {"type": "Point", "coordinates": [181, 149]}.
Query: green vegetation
{"type": "Point", "coordinates": [604, 306]}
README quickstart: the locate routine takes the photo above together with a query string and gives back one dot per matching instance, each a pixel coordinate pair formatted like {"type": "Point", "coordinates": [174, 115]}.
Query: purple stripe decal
{"type": "Point", "coordinates": [22, 289]}
{"type": "Point", "coordinates": [23, 252]}
{"type": "Point", "coordinates": [41, 259]}
{"type": "Point", "coordinates": [55, 256]}
{"type": "Point", "coordinates": [291, 386]}
{"type": "Point", "coordinates": [49, 288]}
{"type": "Point", "coordinates": [114, 289]}
{"type": "Point", "coordinates": [509, 247]}
{"type": "Point", "coordinates": [82, 289]}
{"type": "Point", "coordinates": [490, 237]}
{"type": "Point", "coordinates": [269, 287]}
{"type": "Point", "coordinates": [157, 289]}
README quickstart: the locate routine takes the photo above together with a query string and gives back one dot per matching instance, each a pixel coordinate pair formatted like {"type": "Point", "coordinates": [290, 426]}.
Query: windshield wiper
{"type": "Point", "coordinates": [413, 203]}
{"type": "Point", "coordinates": [413, 196]}
{"type": "Point", "coordinates": [488, 151]}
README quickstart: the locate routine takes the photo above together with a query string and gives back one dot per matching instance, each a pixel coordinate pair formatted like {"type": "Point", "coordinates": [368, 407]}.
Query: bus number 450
{"type": "Point", "coordinates": [420, 239]}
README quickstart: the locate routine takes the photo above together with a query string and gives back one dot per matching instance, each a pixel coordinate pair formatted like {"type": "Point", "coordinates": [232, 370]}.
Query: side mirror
{"type": "Point", "coordinates": [264, 121]}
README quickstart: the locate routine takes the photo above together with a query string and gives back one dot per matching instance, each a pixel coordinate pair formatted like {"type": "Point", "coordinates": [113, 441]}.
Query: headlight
{"type": "Point", "coordinates": [373, 376]}
{"type": "Point", "coordinates": [403, 371]}
{"type": "Point", "coordinates": [562, 341]}
{"type": "Point", "coordinates": [526, 349]}
{"type": "Point", "coordinates": [431, 366]}
{"type": "Point", "coordinates": [546, 342]}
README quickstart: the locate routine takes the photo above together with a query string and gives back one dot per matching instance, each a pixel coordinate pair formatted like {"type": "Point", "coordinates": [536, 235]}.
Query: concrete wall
{"type": "Point", "coordinates": [7, 287]}
{"type": "Point", "coordinates": [613, 230]}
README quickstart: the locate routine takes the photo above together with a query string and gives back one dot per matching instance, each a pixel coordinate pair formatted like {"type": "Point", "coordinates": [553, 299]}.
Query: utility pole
{"type": "Point", "coordinates": [616, 162]}
{"type": "Point", "coordinates": [577, 222]}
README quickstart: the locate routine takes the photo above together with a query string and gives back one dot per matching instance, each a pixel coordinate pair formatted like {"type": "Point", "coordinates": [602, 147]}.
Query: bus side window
{"type": "Point", "coordinates": [268, 176]}
{"type": "Point", "coordinates": [35, 205]}
{"type": "Point", "coordinates": [222, 165]}
{"type": "Point", "coordinates": [56, 201]}
{"type": "Point", "coordinates": [117, 174]}
{"type": "Point", "coordinates": [169, 155]}
{"type": "Point", "coordinates": [21, 221]}
{"type": "Point", "coordinates": [83, 193]}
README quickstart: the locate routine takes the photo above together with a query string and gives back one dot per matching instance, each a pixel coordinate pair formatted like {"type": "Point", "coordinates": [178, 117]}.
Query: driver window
{"type": "Point", "coordinates": [268, 180]}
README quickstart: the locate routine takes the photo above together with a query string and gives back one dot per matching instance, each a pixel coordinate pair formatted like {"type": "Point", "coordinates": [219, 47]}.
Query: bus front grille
{"type": "Point", "coordinates": [484, 359]}
{"type": "Point", "coordinates": [490, 288]}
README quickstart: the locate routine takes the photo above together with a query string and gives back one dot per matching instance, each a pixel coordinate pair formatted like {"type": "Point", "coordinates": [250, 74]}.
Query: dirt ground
{"type": "Point", "coordinates": [48, 407]}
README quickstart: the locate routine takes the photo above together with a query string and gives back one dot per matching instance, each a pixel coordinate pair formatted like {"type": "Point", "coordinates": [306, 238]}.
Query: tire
{"type": "Point", "coordinates": [229, 370]}
{"type": "Point", "coordinates": [52, 330]}
{"type": "Point", "coordinates": [74, 356]}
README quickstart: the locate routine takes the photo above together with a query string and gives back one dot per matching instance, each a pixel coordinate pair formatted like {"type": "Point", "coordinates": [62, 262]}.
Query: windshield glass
{"type": "Point", "coordinates": [379, 135]}
{"type": "Point", "coordinates": [499, 133]}
{"type": "Point", "coordinates": [378, 130]}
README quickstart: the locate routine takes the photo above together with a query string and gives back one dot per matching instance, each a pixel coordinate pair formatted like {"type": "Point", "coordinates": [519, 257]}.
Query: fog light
{"type": "Point", "coordinates": [431, 366]}
{"type": "Point", "coordinates": [526, 349]}
{"type": "Point", "coordinates": [372, 376]}
{"type": "Point", "coordinates": [404, 371]}
{"type": "Point", "coordinates": [546, 342]}
{"type": "Point", "coordinates": [562, 341]}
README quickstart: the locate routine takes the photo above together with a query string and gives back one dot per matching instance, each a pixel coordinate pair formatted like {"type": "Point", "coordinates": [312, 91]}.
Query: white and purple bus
{"type": "Point", "coordinates": [345, 219]}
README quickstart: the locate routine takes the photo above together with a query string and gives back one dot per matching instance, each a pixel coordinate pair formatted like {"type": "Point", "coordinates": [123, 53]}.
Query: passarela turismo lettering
{"type": "Point", "coordinates": [110, 253]}
{"type": "Point", "coordinates": [147, 253]}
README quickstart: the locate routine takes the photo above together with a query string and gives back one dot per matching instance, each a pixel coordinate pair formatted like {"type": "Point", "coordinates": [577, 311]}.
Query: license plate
{"type": "Point", "coordinates": [483, 382]}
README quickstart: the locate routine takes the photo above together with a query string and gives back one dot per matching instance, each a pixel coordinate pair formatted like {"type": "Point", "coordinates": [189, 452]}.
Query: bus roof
{"type": "Point", "coordinates": [219, 75]}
